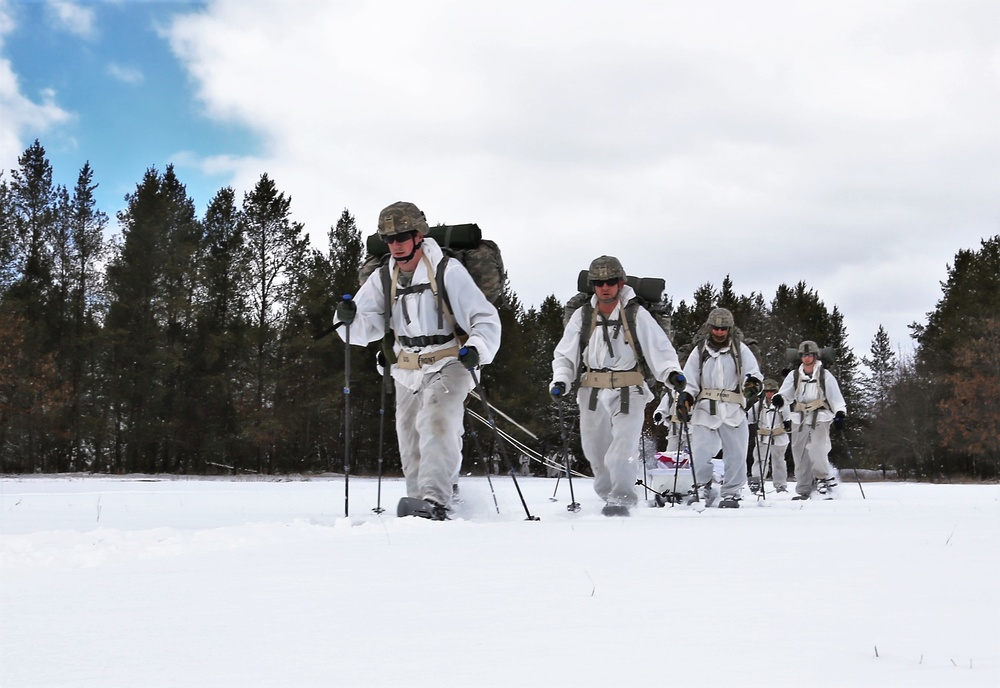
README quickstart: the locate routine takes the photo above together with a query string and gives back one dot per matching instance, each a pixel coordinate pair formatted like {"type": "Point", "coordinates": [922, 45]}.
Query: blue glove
{"type": "Point", "coordinates": [677, 381]}
{"type": "Point", "coordinates": [468, 356]}
{"type": "Point", "coordinates": [840, 420]}
{"type": "Point", "coordinates": [557, 389]}
{"type": "Point", "coordinates": [347, 309]}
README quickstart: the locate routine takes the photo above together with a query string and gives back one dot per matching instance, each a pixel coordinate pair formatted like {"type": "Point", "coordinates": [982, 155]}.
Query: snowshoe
{"type": "Point", "coordinates": [731, 502]}
{"type": "Point", "coordinates": [800, 497]}
{"type": "Point", "coordinates": [781, 489]}
{"type": "Point", "coordinates": [755, 486]}
{"type": "Point", "coordinates": [615, 510]}
{"type": "Point", "coordinates": [422, 508]}
{"type": "Point", "coordinates": [825, 486]}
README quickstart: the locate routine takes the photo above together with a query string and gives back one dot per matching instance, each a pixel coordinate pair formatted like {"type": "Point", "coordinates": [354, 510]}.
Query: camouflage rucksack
{"type": "Point", "coordinates": [648, 295]}
{"type": "Point", "coordinates": [464, 243]}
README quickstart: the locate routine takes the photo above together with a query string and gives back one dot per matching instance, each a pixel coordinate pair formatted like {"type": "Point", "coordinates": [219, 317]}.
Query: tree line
{"type": "Point", "coordinates": [187, 344]}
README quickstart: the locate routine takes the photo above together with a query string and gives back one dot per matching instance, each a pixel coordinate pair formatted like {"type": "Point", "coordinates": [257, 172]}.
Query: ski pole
{"type": "Point", "coordinates": [642, 450]}
{"type": "Point", "coordinates": [553, 497]}
{"type": "Point", "coordinates": [677, 463]}
{"type": "Point", "coordinates": [381, 437]}
{"type": "Point", "coordinates": [503, 451]}
{"type": "Point", "coordinates": [573, 505]}
{"type": "Point", "coordinates": [694, 475]}
{"type": "Point", "coordinates": [486, 460]}
{"type": "Point", "coordinates": [347, 411]}
{"type": "Point", "coordinates": [847, 446]}
{"type": "Point", "coordinates": [764, 463]}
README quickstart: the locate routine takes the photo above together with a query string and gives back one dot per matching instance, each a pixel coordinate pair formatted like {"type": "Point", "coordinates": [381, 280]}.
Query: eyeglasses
{"type": "Point", "coordinates": [402, 236]}
{"type": "Point", "coordinates": [604, 283]}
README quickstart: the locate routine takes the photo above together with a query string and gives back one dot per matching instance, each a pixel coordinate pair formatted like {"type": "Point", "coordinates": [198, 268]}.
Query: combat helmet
{"type": "Point", "coordinates": [721, 317]}
{"type": "Point", "coordinates": [401, 217]}
{"type": "Point", "coordinates": [605, 268]}
{"type": "Point", "coordinates": [809, 347]}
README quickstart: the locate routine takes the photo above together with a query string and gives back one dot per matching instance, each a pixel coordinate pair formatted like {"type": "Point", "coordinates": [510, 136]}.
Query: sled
{"type": "Point", "coordinates": [671, 480]}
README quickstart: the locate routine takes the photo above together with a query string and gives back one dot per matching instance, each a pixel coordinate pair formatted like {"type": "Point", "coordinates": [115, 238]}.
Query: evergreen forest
{"type": "Point", "coordinates": [179, 344]}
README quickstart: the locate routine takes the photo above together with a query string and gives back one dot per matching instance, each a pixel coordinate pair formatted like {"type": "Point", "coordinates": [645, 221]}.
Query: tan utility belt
{"type": "Point", "coordinates": [612, 379]}
{"type": "Point", "coordinates": [769, 431]}
{"type": "Point", "coordinates": [814, 405]}
{"type": "Point", "coordinates": [721, 395]}
{"type": "Point", "coordinates": [411, 360]}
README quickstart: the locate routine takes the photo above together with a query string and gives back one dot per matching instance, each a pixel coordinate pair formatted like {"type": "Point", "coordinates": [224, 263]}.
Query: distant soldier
{"type": "Point", "coordinates": [772, 442]}
{"type": "Point", "coordinates": [721, 373]}
{"type": "Point", "coordinates": [816, 402]}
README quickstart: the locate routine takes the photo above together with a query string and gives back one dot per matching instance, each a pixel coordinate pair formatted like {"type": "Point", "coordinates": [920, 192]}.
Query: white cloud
{"type": "Point", "coordinates": [18, 113]}
{"type": "Point", "coordinates": [74, 18]}
{"type": "Point", "coordinates": [125, 74]}
{"type": "Point", "coordinates": [772, 141]}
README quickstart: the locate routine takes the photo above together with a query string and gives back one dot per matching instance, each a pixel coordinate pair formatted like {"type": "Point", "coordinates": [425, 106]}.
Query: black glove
{"type": "Point", "coordinates": [557, 390]}
{"type": "Point", "coordinates": [468, 356]}
{"type": "Point", "coordinates": [788, 426]}
{"type": "Point", "coordinates": [840, 420]}
{"type": "Point", "coordinates": [684, 403]}
{"type": "Point", "coordinates": [657, 417]}
{"type": "Point", "coordinates": [751, 388]}
{"type": "Point", "coordinates": [380, 359]}
{"type": "Point", "coordinates": [677, 381]}
{"type": "Point", "coordinates": [777, 402]}
{"type": "Point", "coordinates": [347, 309]}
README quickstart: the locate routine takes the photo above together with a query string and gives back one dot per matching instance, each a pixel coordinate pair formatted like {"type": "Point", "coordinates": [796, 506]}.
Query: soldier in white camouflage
{"type": "Point", "coordinates": [431, 346]}
{"type": "Point", "coordinates": [601, 353]}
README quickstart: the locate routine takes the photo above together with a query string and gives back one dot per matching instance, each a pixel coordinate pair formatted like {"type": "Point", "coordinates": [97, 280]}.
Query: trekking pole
{"type": "Point", "coordinates": [503, 451]}
{"type": "Point", "coordinates": [677, 463]}
{"type": "Point", "coordinates": [573, 505]}
{"type": "Point", "coordinates": [553, 497]}
{"type": "Point", "coordinates": [486, 460]}
{"type": "Point", "coordinates": [764, 463]}
{"type": "Point", "coordinates": [381, 437]}
{"type": "Point", "coordinates": [694, 475]}
{"type": "Point", "coordinates": [642, 449]}
{"type": "Point", "coordinates": [347, 411]}
{"type": "Point", "coordinates": [847, 445]}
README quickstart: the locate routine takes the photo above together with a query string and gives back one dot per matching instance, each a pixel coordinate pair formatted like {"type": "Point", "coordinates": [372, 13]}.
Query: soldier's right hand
{"type": "Point", "coordinates": [557, 390]}
{"type": "Point", "coordinates": [347, 309]}
{"type": "Point", "coordinates": [777, 401]}
{"type": "Point", "coordinates": [684, 403]}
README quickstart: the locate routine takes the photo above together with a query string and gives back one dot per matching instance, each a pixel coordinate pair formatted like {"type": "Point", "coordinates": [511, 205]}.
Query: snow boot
{"type": "Point", "coordinates": [422, 508]}
{"type": "Point", "coordinates": [755, 486]}
{"type": "Point", "coordinates": [707, 495]}
{"type": "Point", "coordinates": [615, 510]}
{"type": "Point", "coordinates": [800, 497]}
{"type": "Point", "coordinates": [730, 502]}
{"type": "Point", "coordinates": [825, 485]}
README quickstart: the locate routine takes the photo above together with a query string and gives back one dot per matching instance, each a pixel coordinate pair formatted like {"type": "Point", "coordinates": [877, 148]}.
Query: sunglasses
{"type": "Point", "coordinates": [402, 236]}
{"type": "Point", "coordinates": [604, 283]}
{"type": "Point", "coordinates": [809, 355]}
{"type": "Point", "coordinates": [719, 329]}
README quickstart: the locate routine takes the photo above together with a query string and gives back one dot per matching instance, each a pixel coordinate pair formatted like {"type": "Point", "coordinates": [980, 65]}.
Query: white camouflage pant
{"type": "Point", "coordinates": [610, 441]}
{"type": "Point", "coordinates": [429, 426]}
{"type": "Point", "coordinates": [811, 454]}
{"type": "Point", "coordinates": [706, 443]}
{"type": "Point", "coordinates": [773, 456]}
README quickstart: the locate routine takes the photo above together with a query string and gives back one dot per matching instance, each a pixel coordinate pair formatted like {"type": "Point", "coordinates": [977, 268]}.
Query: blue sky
{"type": "Point", "coordinates": [852, 145]}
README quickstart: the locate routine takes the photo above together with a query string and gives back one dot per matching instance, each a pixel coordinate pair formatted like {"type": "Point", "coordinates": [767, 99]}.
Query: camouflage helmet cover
{"type": "Point", "coordinates": [605, 268]}
{"type": "Point", "coordinates": [721, 317]}
{"type": "Point", "coordinates": [770, 385]}
{"type": "Point", "coordinates": [401, 217]}
{"type": "Point", "coordinates": [809, 347]}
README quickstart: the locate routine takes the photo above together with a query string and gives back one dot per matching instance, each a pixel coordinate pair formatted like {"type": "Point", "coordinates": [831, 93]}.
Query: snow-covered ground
{"type": "Point", "coordinates": [131, 582]}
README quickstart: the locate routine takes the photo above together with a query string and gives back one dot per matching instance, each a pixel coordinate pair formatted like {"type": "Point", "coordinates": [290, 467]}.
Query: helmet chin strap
{"type": "Point", "coordinates": [409, 257]}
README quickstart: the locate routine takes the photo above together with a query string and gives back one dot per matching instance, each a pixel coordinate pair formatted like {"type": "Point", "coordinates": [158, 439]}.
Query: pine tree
{"type": "Point", "coordinates": [275, 247]}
